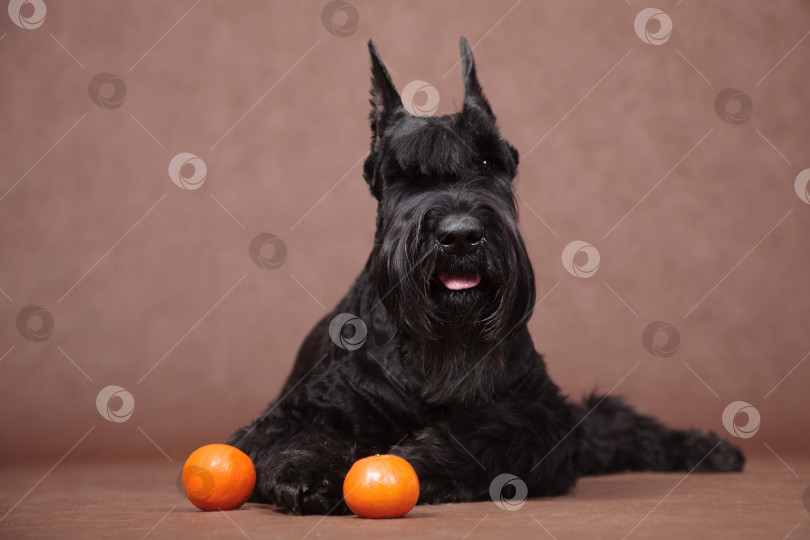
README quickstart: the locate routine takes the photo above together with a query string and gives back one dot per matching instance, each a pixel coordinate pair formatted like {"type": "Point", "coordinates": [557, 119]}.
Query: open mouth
{"type": "Point", "coordinates": [457, 282]}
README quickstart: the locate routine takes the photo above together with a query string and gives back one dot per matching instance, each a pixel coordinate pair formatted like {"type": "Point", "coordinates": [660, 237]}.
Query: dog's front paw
{"type": "Point", "coordinates": [298, 488]}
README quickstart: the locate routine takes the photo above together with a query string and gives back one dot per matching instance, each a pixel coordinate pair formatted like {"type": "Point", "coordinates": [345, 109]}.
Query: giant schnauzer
{"type": "Point", "coordinates": [447, 377]}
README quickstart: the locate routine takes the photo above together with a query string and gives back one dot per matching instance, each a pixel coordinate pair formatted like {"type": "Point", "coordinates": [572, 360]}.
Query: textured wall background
{"type": "Point", "coordinates": [697, 209]}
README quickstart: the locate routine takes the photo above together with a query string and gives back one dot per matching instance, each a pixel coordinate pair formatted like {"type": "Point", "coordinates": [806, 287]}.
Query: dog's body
{"type": "Point", "coordinates": [447, 377]}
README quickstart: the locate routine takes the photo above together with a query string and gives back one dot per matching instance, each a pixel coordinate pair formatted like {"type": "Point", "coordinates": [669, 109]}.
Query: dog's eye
{"type": "Point", "coordinates": [487, 166]}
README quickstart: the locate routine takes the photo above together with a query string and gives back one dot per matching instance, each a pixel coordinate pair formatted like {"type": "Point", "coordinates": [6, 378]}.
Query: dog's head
{"type": "Point", "coordinates": [450, 265]}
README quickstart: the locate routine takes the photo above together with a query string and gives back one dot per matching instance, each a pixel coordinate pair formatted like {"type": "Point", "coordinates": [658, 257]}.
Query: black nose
{"type": "Point", "coordinates": [459, 235]}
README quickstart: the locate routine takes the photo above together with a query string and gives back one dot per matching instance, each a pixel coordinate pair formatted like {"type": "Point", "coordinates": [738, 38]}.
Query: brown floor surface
{"type": "Point", "coordinates": [136, 500]}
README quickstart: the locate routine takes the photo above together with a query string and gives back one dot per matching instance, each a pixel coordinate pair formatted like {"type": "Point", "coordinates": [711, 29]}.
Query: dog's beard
{"type": "Point", "coordinates": [455, 339]}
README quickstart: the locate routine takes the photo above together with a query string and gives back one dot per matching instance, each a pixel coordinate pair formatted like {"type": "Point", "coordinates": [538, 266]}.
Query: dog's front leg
{"type": "Point", "coordinates": [300, 467]}
{"type": "Point", "coordinates": [535, 439]}
{"type": "Point", "coordinates": [447, 473]}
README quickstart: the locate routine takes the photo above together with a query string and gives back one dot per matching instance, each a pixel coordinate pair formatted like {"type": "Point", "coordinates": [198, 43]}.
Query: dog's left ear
{"type": "Point", "coordinates": [473, 94]}
{"type": "Point", "coordinates": [385, 105]}
{"type": "Point", "coordinates": [385, 100]}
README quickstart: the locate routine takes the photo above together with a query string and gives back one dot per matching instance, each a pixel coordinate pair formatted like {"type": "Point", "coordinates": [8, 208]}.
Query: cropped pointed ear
{"type": "Point", "coordinates": [385, 100]}
{"type": "Point", "coordinates": [473, 94]}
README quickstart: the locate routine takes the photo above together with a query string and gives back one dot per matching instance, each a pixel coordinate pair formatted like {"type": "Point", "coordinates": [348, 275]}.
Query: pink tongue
{"type": "Point", "coordinates": [456, 283]}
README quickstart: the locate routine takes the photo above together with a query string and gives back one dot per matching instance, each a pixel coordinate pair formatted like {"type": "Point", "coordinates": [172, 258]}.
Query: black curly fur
{"type": "Point", "coordinates": [449, 380]}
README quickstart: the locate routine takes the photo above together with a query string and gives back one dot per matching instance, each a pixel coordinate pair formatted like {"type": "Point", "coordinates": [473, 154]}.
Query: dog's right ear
{"type": "Point", "coordinates": [473, 94]}
{"type": "Point", "coordinates": [385, 100]}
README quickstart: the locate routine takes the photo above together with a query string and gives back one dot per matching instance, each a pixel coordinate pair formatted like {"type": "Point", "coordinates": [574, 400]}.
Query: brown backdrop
{"type": "Point", "coordinates": [151, 287]}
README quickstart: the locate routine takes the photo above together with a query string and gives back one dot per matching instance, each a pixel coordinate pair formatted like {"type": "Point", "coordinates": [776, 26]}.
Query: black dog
{"type": "Point", "coordinates": [447, 377]}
